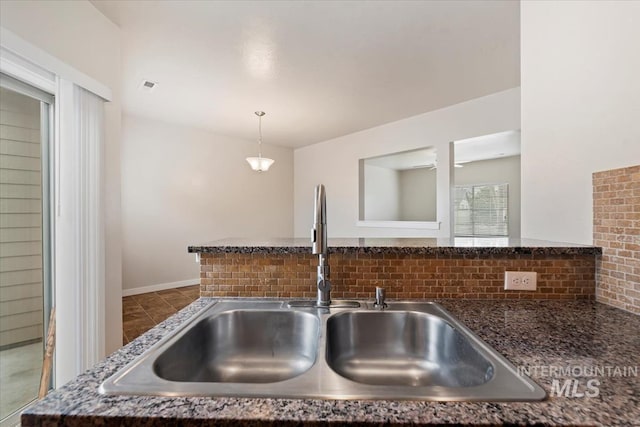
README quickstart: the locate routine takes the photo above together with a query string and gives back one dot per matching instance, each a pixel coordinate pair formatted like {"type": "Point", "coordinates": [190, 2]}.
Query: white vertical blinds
{"type": "Point", "coordinates": [482, 210]}
{"type": "Point", "coordinates": [79, 232]}
{"type": "Point", "coordinates": [89, 148]}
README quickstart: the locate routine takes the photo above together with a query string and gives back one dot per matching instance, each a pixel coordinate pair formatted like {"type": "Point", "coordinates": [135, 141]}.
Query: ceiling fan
{"type": "Point", "coordinates": [434, 165]}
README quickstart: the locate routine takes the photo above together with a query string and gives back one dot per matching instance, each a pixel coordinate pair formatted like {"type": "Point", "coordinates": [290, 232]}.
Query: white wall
{"type": "Point", "coordinates": [418, 195]}
{"type": "Point", "coordinates": [496, 171]}
{"type": "Point", "coordinates": [381, 193]}
{"type": "Point", "coordinates": [334, 163]}
{"type": "Point", "coordinates": [580, 109]}
{"type": "Point", "coordinates": [183, 186]}
{"type": "Point", "coordinates": [76, 33]}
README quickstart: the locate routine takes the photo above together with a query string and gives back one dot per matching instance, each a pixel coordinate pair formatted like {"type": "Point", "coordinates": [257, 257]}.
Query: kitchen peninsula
{"type": "Point", "coordinates": [531, 334]}
{"type": "Point", "coordinates": [558, 336]}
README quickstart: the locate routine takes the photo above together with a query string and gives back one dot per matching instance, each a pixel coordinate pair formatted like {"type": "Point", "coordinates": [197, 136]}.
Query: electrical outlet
{"type": "Point", "coordinates": [520, 280]}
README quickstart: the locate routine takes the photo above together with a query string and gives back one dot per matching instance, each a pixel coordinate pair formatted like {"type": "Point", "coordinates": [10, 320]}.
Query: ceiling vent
{"type": "Point", "coordinates": [148, 85]}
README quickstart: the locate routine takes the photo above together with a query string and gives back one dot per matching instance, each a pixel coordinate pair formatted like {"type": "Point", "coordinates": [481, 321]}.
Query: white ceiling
{"type": "Point", "coordinates": [319, 69]}
{"type": "Point", "coordinates": [494, 146]}
{"type": "Point", "coordinates": [406, 159]}
{"type": "Point", "coordinates": [485, 147]}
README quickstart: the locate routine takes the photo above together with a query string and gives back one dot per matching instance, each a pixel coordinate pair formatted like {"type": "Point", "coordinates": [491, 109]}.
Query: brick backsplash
{"type": "Point", "coordinates": [616, 228]}
{"type": "Point", "coordinates": [404, 276]}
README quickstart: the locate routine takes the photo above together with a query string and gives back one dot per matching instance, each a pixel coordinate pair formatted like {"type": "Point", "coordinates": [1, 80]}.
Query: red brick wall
{"type": "Point", "coordinates": [616, 228]}
{"type": "Point", "coordinates": [403, 276]}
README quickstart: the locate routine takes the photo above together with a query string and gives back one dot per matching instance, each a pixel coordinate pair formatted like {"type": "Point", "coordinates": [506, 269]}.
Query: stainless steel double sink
{"type": "Point", "coordinates": [249, 348]}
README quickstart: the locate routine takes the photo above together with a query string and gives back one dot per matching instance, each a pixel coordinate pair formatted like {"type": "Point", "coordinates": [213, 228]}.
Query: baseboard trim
{"type": "Point", "coordinates": [159, 287]}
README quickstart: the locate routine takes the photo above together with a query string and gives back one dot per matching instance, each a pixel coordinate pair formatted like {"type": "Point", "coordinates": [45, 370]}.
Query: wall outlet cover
{"type": "Point", "coordinates": [520, 280]}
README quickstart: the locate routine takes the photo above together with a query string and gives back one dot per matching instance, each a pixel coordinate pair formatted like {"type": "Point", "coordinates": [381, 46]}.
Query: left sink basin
{"type": "Point", "coordinates": [242, 346]}
{"type": "Point", "coordinates": [229, 348]}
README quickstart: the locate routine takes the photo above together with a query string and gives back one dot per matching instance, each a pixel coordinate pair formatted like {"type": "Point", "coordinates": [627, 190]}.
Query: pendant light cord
{"type": "Point", "coordinates": [260, 136]}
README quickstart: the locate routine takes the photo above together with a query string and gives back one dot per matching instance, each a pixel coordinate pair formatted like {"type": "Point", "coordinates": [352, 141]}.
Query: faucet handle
{"type": "Point", "coordinates": [380, 297]}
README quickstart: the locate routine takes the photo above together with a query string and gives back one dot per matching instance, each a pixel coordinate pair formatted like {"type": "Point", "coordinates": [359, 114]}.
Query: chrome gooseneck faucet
{"type": "Point", "coordinates": [319, 243]}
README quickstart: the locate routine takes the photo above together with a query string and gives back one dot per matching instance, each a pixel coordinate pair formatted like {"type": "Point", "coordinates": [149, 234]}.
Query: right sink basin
{"type": "Point", "coordinates": [403, 348]}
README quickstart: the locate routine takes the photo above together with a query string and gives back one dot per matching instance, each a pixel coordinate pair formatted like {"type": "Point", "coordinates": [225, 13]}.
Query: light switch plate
{"type": "Point", "coordinates": [520, 280]}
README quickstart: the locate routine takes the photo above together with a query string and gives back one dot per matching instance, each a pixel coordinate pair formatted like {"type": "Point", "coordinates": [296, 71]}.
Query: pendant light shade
{"type": "Point", "coordinates": [260, 164]}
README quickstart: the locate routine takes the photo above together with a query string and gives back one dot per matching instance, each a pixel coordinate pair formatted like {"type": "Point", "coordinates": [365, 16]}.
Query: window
{"type": "Point", "coordinates": [25, 273]}
{"type": "Point", "coordinates": [482, 210]}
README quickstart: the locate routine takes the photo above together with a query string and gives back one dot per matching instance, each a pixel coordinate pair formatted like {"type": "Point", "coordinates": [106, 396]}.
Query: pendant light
{"type": "Point", "coordinates": [260, 164]}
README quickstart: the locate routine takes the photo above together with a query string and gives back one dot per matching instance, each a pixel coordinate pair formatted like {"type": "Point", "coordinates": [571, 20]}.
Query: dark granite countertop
{"type": "Point", "coordinates": [555, 341]}
{"type": "Point", "coordinates": [419, 246]}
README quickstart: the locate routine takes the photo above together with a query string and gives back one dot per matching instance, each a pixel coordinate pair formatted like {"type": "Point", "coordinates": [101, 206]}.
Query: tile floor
{"type": "Point", "coordinates": [142, 312]}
